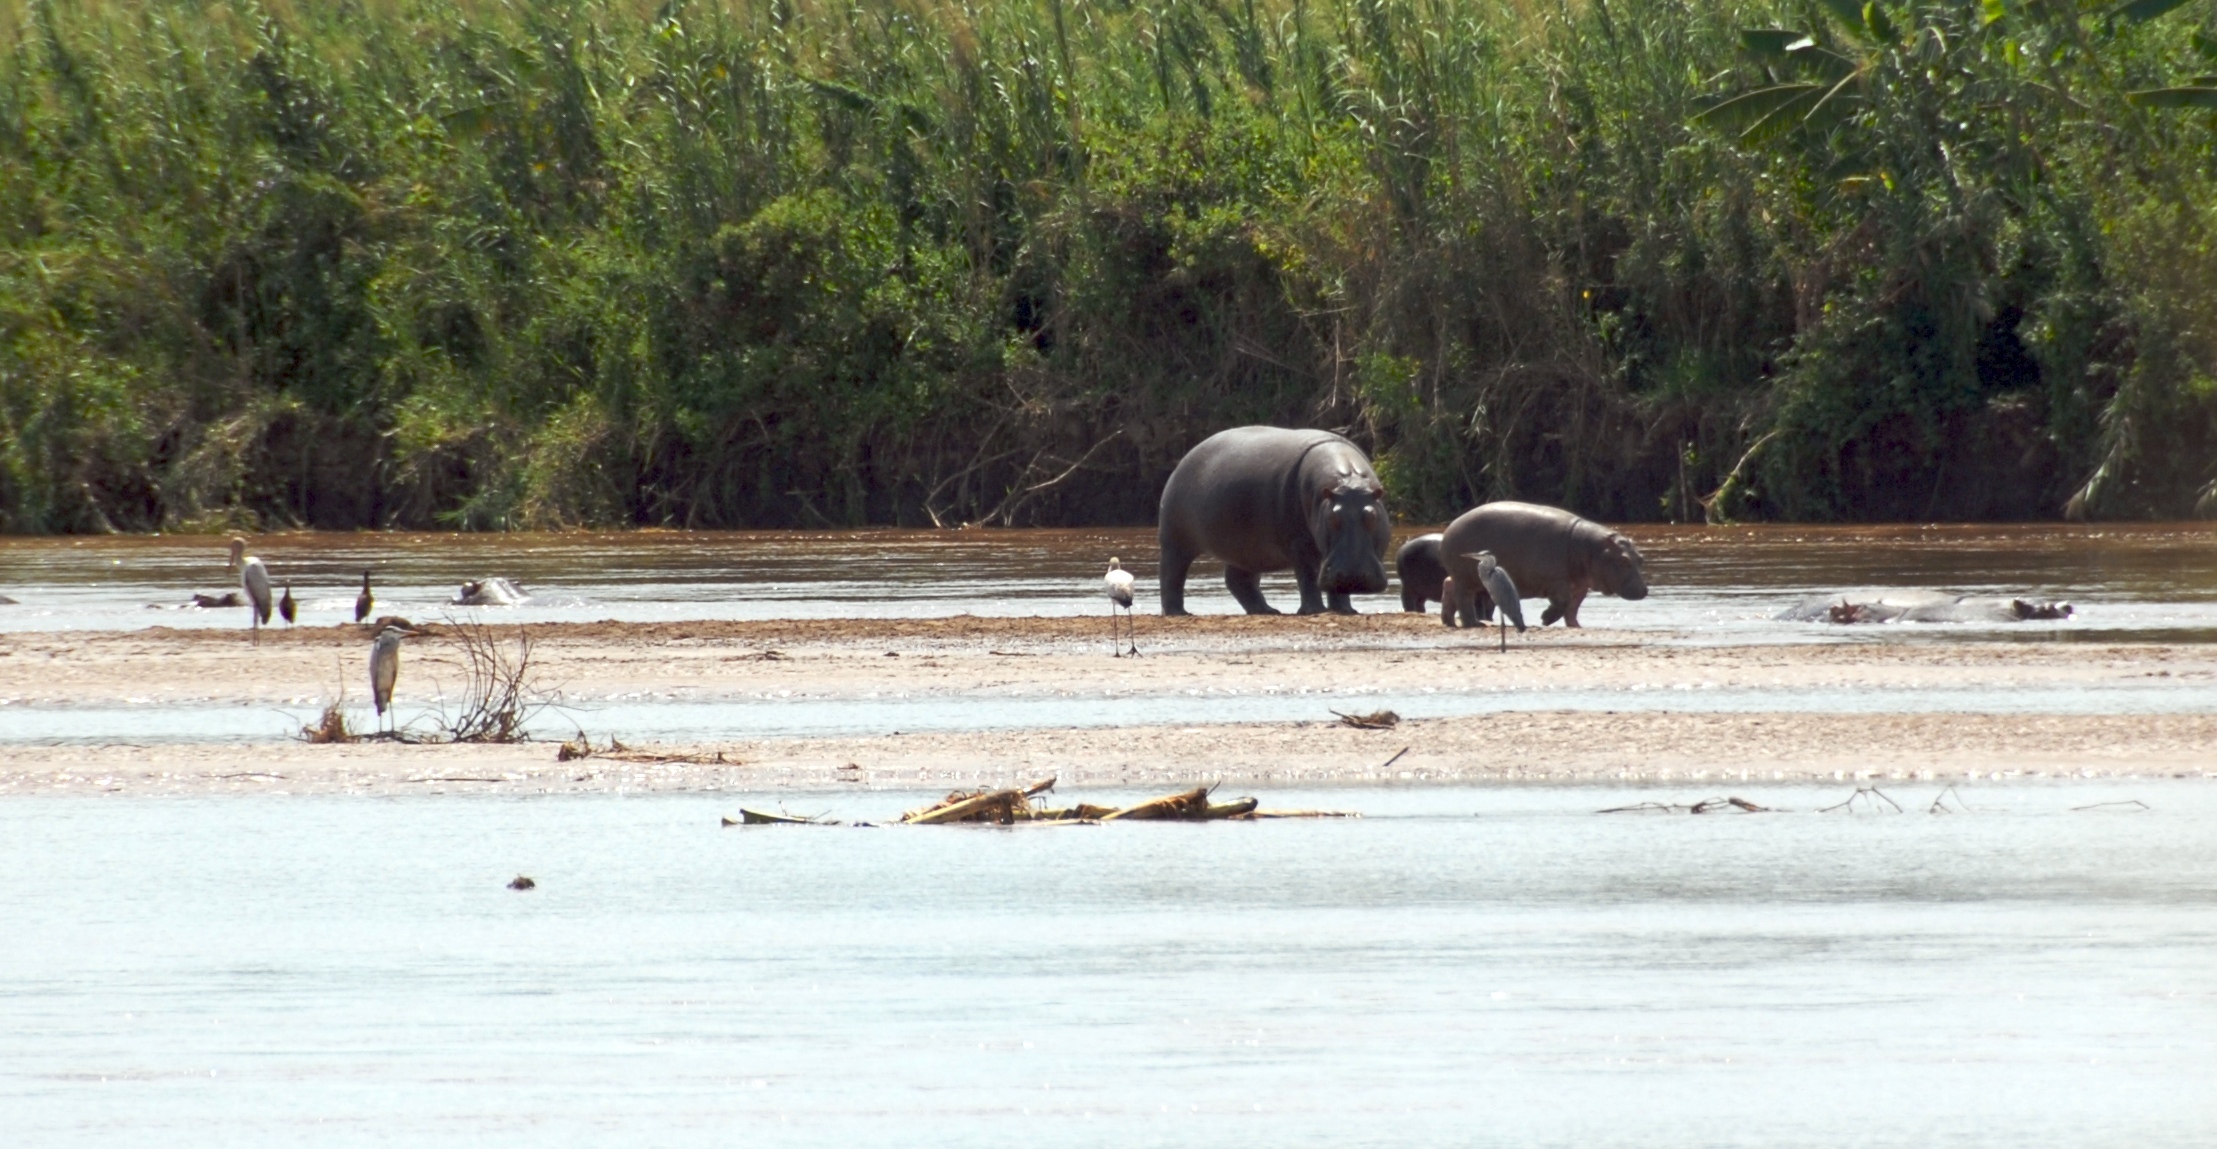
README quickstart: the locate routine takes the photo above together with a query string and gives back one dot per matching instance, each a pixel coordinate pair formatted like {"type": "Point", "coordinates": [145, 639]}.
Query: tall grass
{"type": "Point", "coordinates": [790, 262]}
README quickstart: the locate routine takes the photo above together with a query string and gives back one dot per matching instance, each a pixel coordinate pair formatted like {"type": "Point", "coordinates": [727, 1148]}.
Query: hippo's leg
{"type": "Point", "coordinates": [1339, 603]}
{"type": "Point", "coordinates": [1476, 606]}
{"type": "Point", "coordinates": [1175, 563]}
{"type": "Point", "coordinates": [1412, 599]}
{"type": "Point", "coordinates": [1246, 586]}
{"type": "Point", "coordinates": [1554, 611]}
{"type": "Point", "coordinates": [1312, 599]}
{"type": "Point", "coordinates": [1565, 608]}
{"type": "Point", "coordinates": [1447, 601]}
{"type": "Point", "coordinates": [1467, 601]}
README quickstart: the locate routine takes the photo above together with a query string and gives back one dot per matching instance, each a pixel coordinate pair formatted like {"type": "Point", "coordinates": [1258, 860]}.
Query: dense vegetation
{"type": "Point", "coordinates": [791, 262]}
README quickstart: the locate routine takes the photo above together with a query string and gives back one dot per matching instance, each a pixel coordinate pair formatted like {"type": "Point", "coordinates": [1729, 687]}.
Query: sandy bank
{"type": "Point", "coordinates": [1042, 656]}
{"type": "Point", "coordinates": [975, 661]}
{"type": "Point", "coordinates": [1669, 749]}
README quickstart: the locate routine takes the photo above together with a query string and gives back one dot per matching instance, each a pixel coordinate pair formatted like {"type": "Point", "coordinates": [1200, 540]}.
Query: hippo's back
{"type": "Point", "coordinates": [1234, 481]}
{"type": "Point", "coordinates": [1531, 542]}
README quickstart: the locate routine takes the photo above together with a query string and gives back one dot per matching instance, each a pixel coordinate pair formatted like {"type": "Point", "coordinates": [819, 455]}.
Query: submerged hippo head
{"type": "Point", "coordinates": [1350, 525]}
{"type": "Point", "coordinates": [1617, 569]}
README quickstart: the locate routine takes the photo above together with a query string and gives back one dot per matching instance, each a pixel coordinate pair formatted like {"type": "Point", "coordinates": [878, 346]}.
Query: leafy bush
{"type": "Point", "coordinates": [777, 262]}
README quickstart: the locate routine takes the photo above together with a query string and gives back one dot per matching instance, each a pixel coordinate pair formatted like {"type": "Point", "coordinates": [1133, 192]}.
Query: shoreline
{"type": "Point", "coordinates": [977, 662]}
{"type": "Point", "coordinates": [1628, 750]}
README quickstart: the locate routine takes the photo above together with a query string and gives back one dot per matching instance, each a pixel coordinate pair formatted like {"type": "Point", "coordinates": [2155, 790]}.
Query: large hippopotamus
{"type": "Point", "coordinates": [1421, 570]}
{"type": "Point", "coordinates": [1265, 498]}
{"type": "Point", "coordinates": [1548, 551]}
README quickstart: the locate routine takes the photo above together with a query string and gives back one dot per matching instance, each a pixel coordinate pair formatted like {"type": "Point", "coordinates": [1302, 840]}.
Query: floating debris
{"type": "Point", "coordinates": [1940, 803]}
{"type": "Point", "coordinates": [1870, 796]}
{"type": "Point", "coordinates": [523, 883]}
{"type": "Point", "coordinates": [999, 806]}
{"type": "Point", "coordinates": [1705, 806]}
{"type": "Point", "coordinates": [762, 818]}
{"type": "Point", "coordinates": [2127, 806]}
{"type": "Point", "coordinates": [1020, 806]}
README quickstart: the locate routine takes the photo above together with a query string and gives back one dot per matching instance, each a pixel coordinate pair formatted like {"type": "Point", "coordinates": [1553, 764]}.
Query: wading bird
{"type": "Point", "coordinates": [254, 580]}
{"type": "Point", "coordinates": [1119, 583]}
{"type": "Point", "coordinates": [286, 607]}
{"type": "Point", "coordinates": [1502, 590]}
{"type": "Point", "coordinates": [364, 601]}
{"type": "Point", "coordinates": [384, 668]}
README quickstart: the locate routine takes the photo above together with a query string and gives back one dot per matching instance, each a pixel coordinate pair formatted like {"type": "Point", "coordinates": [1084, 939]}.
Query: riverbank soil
{"type": "Point", "coordinates": [1201, 661]}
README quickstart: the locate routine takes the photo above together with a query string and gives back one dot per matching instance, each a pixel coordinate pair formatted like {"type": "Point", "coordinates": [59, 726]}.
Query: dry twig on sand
{"type": "Point", "coordinates": [332, 727]}
{"type": "Point", "coordinates": [498, 697]}
{"type": "Point", "coordinates": [582, 747]}
{"type": "Point", "coordinates": [2128, 805]}
{"type": "Point", "coordinates": [1375, 720]}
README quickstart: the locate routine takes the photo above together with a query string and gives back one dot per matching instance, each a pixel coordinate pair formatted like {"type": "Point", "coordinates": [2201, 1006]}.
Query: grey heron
{"type": "Point", "coordinates": [286, 608]}
{"type": "Point", "coordinates": [363, 601]}
{"type": "Point", "coordinates": [1502, 590]}
{"type": "Point", "coordinates": [254, 580]}
{"type": "Point", "coordinates": [384, 668]}
{"type": "Point", "coordinates": [1119, 584]}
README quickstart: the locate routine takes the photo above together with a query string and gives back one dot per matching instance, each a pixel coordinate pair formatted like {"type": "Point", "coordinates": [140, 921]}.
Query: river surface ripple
{"type": "Point", "coordinates": [1463, 967]}
{"type": "Point", "coordinates": [1713, 584]}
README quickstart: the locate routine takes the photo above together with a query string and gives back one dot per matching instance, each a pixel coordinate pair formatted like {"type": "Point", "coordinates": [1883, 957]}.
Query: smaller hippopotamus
{"type": "Point", "coordinates": [489, 591]}
{"type": "Point", "coordinates": [1422, 572]}
{"type": "Point", "coordinates": [1547, 552]}
{"type": "Point", "coordinates": [214, 601]}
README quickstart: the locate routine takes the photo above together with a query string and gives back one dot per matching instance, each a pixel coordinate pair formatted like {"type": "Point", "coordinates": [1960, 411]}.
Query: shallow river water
{"type": "Point", "coordinates": [1710, 583]}
{"type": "Point", "coordinates": [1494, 966]}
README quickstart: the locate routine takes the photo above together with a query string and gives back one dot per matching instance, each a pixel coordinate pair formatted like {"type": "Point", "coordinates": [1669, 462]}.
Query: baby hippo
{"type": "Point", "coordinates": [1548, 552]}
{"type": "Point", "coordinates": [1421, 571]}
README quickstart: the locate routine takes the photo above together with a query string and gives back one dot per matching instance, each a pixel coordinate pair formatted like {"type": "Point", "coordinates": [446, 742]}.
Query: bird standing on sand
{"type": "Point", "coordinates": [286, 606]}
{"type": "Point", "coordinates": [364, 601]}
{"type": "Point", "coordinates": [254, 580]}
{"type": "Point", "coordinates": [384, 669]}
{"type": "Point", "coordinates": [1502, 590]}
{"type": "Point", "coordinates": [1119, 583]}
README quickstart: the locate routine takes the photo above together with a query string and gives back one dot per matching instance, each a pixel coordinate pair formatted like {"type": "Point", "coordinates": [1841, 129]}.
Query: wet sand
{"type": "Point", "coordinates": [850, 660]}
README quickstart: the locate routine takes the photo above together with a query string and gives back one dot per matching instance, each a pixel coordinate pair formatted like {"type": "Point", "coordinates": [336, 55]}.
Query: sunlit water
{"type": "Point", "coordinates": [1461, 967]}
{"type": "Point", "coordinates": [1712, 584]}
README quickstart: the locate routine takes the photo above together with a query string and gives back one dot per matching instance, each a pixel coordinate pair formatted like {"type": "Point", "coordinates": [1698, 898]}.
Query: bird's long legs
{"type": "Point", "coordinates": [1119, 637]}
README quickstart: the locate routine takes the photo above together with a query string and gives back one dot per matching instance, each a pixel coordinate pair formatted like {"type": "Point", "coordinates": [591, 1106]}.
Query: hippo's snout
{"type": "Point", "coordinates": [1636, 591]}
{"type": "Point", "coordinates": [1358, 578]}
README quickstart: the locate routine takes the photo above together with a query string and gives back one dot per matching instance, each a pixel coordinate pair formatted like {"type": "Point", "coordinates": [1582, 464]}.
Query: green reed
{"type": "Point", "coordinates": [443, 262]}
